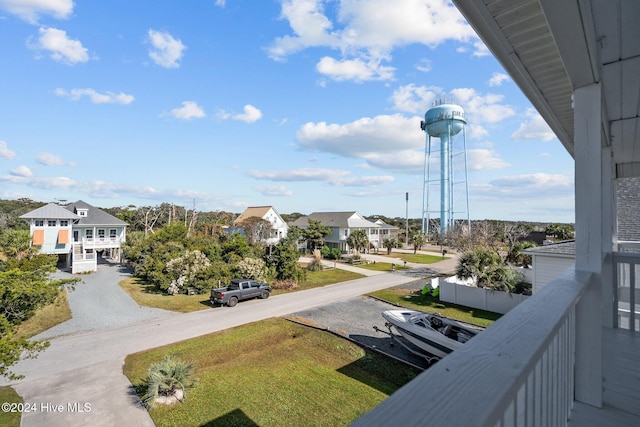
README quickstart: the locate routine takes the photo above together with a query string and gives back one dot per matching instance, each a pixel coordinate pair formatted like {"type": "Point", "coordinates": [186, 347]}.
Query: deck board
{"type": "Point", "coordinates": [621, 371]}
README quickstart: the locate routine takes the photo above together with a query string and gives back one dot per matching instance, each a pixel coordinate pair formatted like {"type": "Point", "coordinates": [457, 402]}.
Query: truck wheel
{"type": "Point", "coordinates": [264, 294]}
{"type": "Point", "coordinates": [232, 302]}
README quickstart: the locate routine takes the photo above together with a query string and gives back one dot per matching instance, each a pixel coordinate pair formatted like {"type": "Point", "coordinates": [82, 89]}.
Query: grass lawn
{"type": "Point", "coordinates": [417, 301]}
{"type": "Point", "coordinates": [9, 419]}
{"type": "Point", "coordinates": [417, 258]}
{"type": "Point", "coordinates": [273, 373]}
{"type": "Point", "coordinates": [47, 317]}
{"type": "Point", "coordinates": [148, 296]}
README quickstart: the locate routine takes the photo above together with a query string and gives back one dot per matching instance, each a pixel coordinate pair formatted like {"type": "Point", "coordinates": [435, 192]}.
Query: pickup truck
{"type": "Point", "coordinates": [238, 290]}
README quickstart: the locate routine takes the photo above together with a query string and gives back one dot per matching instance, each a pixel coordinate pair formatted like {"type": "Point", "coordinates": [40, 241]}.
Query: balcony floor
{"type": "Point", "coordinates": [621, 355]}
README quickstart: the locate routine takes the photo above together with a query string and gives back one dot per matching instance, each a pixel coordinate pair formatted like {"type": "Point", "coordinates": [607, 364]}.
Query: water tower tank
{"type": "Point", "coordinates": [443, 121]}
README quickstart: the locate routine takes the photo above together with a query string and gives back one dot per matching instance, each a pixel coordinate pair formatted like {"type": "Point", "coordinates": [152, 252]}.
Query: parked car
{"type": "Point", "coordinates": [238, 290]}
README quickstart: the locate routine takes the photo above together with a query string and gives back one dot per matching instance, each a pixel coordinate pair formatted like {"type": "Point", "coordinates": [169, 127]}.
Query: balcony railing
{"type": "Point", "coordinates": [101, 242]}
{"type": "Point", "coordinates": [626, 294]}
{"type": "Point", "coordinates": [518, 372]}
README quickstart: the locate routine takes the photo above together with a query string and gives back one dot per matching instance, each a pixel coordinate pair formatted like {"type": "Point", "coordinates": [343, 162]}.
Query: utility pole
{"type": "Point", "coordinates": [406, 237]}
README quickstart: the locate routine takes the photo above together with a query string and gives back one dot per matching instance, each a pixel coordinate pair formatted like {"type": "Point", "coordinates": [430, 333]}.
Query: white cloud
{"type": "Point", "coordinates": [250, 115]}
{"type": "Point", "coordinates": [95, 97]}
{"type": "Point", "coordinates": [498, 78]}
{"type": "Point", "coordinates": [21, 171]}
{"type": "Point", "coordinates": [220, 3]}
{"type": "Point", "coordinates": [415, 99]}
{"type": "Point", "coordinates": [296, 175]}
{"type": "Point", "coordinates": [49, 159]}
{"type": "Point", "coordinates": [533, 128]}
{"type": "Point", "coordinates": [366, 32]}
{"type": "Point", "coordinates": [274, 190]}
{"type": "Point", "coordinates": [31, 10]}
{"type": "Point", "coordinates": [523, 186]}
{"type": "Point", "coordinates": [480, 49]}
{"type": "Point", "coordinates": [480, 159]}
{"type": "Point", "coordinates": [165, 51]}
{"type": "Point", "coordinates": [380, 134]}
{"type": "Point", "coordinates": [356, 69]}
{"type": "Point", "coordinates": [310, 28]}
{"type": "Point", "coordinates": [424, 65]}
{"type": "Point", "coordinates": [60, 47]}
{"type": "Point", "coordinates": [335, 177]}
{"type": "Point", "coordinates": [5, 152]}
{"type": "Point", "coordinates": [189, 110]}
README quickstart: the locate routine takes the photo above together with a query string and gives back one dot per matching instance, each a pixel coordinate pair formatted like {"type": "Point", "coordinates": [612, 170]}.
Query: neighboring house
{"type": "Point", "coordinates": [550, 261]}
{"type": "Point", "coordinates": [343, 223]}
{"type": "Point", "coordinates": [279, 227]}
{"type": "Point", "coordinates": [76, 233]}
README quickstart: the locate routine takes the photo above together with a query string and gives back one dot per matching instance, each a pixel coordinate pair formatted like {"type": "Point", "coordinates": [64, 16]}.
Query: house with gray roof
{"type": "Point", "coordinates": [343, 223]}
{"type": "Point", "coordinates": [77, 233]}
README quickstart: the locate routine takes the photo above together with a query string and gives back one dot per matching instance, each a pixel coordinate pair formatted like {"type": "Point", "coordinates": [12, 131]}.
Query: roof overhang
{"type": "Point", "coordinates": [551, 48]}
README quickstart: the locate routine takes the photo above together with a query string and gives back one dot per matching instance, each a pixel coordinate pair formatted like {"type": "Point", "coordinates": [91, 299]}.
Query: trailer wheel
{"type": "Point", "coordinates": [232, 302]}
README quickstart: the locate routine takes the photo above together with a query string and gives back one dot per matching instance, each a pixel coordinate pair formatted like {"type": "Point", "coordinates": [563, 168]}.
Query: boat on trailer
{"type": "Point", "coordinates": [430, 332]}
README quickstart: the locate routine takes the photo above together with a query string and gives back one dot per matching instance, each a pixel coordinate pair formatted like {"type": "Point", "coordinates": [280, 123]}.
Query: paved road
{"type": "Point", "coordinates": [87, 367]}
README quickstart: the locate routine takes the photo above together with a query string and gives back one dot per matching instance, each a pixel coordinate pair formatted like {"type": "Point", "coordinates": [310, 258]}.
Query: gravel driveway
{"type": "Point", "coordinates": [356, 318]}
{"type": "Point", "coordinates": [98, 303]}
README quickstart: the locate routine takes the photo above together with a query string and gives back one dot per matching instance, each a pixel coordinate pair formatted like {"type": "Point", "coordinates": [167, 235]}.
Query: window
{"type": "Point", "coordinates": [51, 222]}
{"type": "Point", "coordinates": [39, 222]}
{"type": "Point", "coordinates": [101, 233]}
{"type": "Point", "coordinates": [88, 234]}
{"type": "Point", "coordinates": [64, 223]}
{"type": "Point", "coordinates": [113, 234]}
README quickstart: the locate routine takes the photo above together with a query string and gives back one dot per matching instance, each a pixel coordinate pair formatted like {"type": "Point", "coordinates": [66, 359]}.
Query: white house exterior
{"type": "Point", "coordinates": [342, 224]}
{"type": "Point", "coordinates": [550, 261]}
{"type": "Point", "coordinates": [279, 227]}
{"type": "Point", "coordinates": [76, 233]}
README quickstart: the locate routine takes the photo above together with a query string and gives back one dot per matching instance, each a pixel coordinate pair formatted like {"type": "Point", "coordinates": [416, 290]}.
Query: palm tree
{"type": "Point", "coordinates": [418, 240]}
{"type": "Point", "coordinates": [168, 378]}
{"type": "Point", "coordinates": [390, 243]}
{"type": "Point", "coordinates": [481, 265]}
{"type": "Point", "coordinates": [515, 255]}
{"type": "Point", "coordinates": [358, 240]}
{"type": "Point", "coordinates": [17, 244]}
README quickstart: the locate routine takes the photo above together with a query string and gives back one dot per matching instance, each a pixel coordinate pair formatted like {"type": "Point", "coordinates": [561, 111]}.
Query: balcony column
{"type": "Point", "coordinates": [593, 198]}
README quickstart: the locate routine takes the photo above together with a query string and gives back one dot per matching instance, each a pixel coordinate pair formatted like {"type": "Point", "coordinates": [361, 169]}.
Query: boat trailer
{"type": "Point", "coordinates": [394, 339]}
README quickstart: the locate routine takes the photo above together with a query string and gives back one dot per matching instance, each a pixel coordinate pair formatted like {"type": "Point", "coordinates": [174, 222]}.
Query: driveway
{"type": "Point", "coordinates": [99, 303]}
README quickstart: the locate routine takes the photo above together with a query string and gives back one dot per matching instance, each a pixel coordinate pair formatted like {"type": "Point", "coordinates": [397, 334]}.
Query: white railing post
{"type": "Point", "coordinates": [593, 233]}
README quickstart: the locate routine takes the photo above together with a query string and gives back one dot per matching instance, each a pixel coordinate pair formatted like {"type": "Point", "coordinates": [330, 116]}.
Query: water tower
{"type": "Point", "coordinates": [444, 121]}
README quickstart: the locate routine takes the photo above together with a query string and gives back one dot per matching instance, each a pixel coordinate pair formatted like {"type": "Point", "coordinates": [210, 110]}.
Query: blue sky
{"type": "Point", "coordinates": [305, 105]}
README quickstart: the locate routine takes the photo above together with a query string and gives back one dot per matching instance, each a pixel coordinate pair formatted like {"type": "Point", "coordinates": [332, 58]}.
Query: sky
{"type": "Point", "coordinates": [303, 105]}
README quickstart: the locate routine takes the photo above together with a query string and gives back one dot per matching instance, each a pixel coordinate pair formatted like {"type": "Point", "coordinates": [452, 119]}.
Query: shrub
{"type": "Point", "coordinates": [167, 381]}
{"type": "Point", "coordinates": [252, 268]}
{"type": "Point", "coordinates": [285, 285]}
{"type": "Point", "coordinates": [316, 261]}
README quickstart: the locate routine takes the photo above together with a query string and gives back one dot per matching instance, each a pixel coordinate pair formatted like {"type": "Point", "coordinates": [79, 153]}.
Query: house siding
{"type": "Point", "coordinates": [548, 268]}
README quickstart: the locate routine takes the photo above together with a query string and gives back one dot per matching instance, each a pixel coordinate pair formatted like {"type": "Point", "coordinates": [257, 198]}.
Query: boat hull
{"type": "Point", "coordinates": [415, 328]}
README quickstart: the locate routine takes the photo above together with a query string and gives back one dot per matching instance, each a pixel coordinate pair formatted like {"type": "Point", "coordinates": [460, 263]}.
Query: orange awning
{"type": "Point", "coordinates": [38, 237]}
{"type": "Point", "coordinates": [63, 237]}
